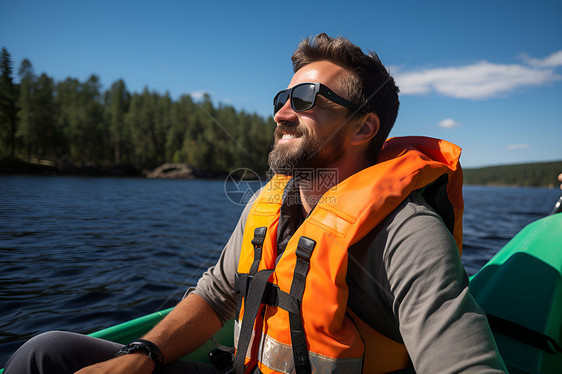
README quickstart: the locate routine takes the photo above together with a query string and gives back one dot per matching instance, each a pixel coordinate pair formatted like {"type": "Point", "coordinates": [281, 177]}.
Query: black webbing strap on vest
{"type": "Point", "coordinates": [272, 295]}
{"type": "Point", "coordinates": [252, 305]}
{"type": "Point", "coordinates": [242, 281]}
{"type": "Point", "coordinates": [298, 338]}
{"type": "Point", "coordinates": [256, 290]}
{"type": "Point", "coordinates": [257, 241]}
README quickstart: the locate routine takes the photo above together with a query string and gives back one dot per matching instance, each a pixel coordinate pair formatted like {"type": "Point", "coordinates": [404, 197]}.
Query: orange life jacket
{"type": "Point", "coordinates": [293, 313]}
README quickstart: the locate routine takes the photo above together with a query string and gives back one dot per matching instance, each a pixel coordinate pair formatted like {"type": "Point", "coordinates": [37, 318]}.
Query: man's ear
{"type": "Point", "coordinates": [368, 127]}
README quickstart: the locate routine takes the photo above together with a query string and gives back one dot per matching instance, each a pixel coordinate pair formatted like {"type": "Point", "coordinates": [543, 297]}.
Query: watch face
{"type": "Point", "coordinates": [133, 348]}
{"type": "Point", "coordinates": [145, 347]}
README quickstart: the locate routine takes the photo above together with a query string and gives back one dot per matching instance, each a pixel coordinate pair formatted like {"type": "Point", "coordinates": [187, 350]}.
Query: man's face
{"type": "Point", "coordinates": [314, 138]}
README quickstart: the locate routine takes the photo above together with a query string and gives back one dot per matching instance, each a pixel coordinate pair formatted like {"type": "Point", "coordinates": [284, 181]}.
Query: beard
{"type": "Point", "coordinates": [310, 152]}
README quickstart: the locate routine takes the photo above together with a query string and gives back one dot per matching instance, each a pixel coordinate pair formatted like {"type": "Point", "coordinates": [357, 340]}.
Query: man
{"type": "Point", "coordinates": [347, 260]}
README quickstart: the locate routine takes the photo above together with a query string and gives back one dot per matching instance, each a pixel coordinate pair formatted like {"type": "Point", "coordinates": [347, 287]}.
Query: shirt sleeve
{"type": "Point", "coordinates": [442, 326]}
{"type": "Point", "coordinates": [216, 285]}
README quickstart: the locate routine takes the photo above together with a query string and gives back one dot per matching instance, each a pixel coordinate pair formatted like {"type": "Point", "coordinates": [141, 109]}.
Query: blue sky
{"type": "Point", "coordinates": [486, 75]}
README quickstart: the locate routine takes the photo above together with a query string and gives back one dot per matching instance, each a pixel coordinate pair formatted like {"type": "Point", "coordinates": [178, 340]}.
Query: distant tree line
{"type": "Point", "coordinates": [79, 123]}
{"type": "Point", "coordinates": [542, 174]}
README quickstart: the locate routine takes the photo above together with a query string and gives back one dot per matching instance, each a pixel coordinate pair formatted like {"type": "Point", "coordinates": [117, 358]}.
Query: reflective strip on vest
{"type": "Point", "coordinates": [279, 357]}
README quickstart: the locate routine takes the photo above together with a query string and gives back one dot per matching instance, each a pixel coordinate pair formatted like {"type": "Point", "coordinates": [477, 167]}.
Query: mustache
{"type": "Point", "coordinates": [293, 128]}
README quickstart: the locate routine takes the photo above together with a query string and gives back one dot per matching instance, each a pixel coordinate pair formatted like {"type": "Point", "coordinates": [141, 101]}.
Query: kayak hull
{"type": "Point", "coordinates": [521, 291]}
{"type": "Point", "coordinates": [126, 332]}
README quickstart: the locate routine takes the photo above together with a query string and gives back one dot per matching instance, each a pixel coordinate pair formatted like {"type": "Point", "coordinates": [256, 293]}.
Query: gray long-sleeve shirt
{"type": "Point", "coordinates": [405, 279]}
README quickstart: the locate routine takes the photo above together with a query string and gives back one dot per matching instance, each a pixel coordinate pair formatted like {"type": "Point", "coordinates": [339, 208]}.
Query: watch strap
{"type": "Point", "coordinates": [144, 346]}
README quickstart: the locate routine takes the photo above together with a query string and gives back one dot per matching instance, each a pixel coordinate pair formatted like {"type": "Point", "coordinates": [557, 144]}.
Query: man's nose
{"type": "Point", "coordinates": [286, 113]}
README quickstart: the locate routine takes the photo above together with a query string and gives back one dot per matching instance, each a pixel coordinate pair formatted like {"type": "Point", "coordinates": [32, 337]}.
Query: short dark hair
{"type": "Point", "coordinates": [370, 87]}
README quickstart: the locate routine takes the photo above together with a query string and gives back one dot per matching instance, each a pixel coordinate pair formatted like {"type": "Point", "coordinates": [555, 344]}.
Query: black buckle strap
{"type": "Point", "coordinates": [256, 290]}
{"type": "Point", "coordinates": [298, 338]}
{"type": "Point", "coordinates": [272, 295]}
{"type": "Point", "coordinates": [257, 241]}
{"type": "Point", "coordinates": [251, 307]}
{"type": "Point", "coordinates": [242, 281]}
{"type": "Point", "coordinates": [259, 235]}
{"type": "Point", "coordinates": [276, 297]}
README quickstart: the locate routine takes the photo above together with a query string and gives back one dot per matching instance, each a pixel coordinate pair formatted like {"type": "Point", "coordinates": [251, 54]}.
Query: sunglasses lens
{"type": "Point", "coordinates": [303, 97]}
{"type": "Point", "coordinates": [280, 100]}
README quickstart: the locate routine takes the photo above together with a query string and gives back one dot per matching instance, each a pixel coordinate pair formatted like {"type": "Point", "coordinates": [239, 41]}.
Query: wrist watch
{"type": "Point", "coordinates": [146, 347]}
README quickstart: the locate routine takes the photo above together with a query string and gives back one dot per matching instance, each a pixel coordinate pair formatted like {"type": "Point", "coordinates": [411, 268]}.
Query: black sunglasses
{"type": "Point", "coordinates": [303, 97]}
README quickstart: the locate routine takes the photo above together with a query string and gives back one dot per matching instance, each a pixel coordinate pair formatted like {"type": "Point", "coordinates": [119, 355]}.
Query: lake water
{"type": "Point", "coordinates": [82, 254]}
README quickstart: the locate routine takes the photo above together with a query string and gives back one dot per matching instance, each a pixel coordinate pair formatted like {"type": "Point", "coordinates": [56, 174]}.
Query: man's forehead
{"type": "Point", "coordinates": [324, 72]}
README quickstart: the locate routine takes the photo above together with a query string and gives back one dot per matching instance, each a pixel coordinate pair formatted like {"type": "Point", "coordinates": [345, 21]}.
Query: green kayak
{"type": "Point", "coordinates": [520, 289]}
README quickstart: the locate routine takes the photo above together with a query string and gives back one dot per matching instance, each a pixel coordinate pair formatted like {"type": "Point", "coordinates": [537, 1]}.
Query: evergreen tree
{"type": "Point", "coordinates": [139, 120]}
{"type": "Point", "coordinates": [8, 100]}
{"type": "Point", "coordinates": [117, 105]}
{"type": "Point", "coordinates": [68, 116]}
{"type": "Point", "coordinates": [27, 132]}
{"type": "Point", "coordinates": [182, 117]}
{"type": "Point", "coordinates": [162, 126]}
{"type": "Point", "coordinates": [49, 139]}
{"type": "Point", "coordinates": [77, 122]}
{"type": "Point", "coordinates": [94, 131]}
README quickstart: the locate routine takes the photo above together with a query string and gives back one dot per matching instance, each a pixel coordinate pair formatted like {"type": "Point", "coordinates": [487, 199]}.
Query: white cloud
{"type": "Point", "coordinates": [448, 123]}
{"type": "Point", "coordinates": [515, 147]}
{"type": "Point", "coordinates": [477, 81]}
{"type": "Point", "coordinates": [551, 61]}
{"type": "Point", "coordinates": [199, 95]}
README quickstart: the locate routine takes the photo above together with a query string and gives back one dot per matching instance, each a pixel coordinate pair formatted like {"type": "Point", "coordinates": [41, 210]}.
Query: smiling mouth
{"type": "Point", "coordinates": [289, 136]}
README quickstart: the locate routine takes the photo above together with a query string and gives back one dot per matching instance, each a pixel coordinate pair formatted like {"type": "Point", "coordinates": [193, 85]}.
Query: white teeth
{"type": "Point", "coordinates": [288, 136]}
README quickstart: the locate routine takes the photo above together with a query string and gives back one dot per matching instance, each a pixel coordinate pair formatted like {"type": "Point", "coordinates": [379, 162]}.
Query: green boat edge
{"type": "Point", "coordinates": [522, 284]}
{"type": "Point", "coordinates": [128, 331]}
{"type": "Point", "coordinates": [503, 286]}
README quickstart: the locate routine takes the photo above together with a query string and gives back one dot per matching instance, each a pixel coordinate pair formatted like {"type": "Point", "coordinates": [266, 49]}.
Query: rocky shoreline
{"type": "Point", "coordinates": [10, 166]}
{"type": "Point", "coordinates": [171, 171]}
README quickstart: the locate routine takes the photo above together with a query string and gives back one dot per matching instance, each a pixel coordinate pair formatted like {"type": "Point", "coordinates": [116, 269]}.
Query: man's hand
{"type": "Point", "coordinates": [560, 180]}
{"type": "Point", "coordinates": [127, 364]}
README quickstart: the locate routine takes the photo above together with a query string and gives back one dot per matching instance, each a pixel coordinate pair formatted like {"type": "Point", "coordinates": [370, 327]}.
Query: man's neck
{"type": "Point", "coordinates": [314, 185]}
{"type": "Point", "coordinates": [309, 198]}
{"type": "Point", "coordinates": [312, 190]}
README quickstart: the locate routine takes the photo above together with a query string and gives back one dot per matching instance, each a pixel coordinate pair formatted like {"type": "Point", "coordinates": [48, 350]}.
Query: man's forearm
{"type": "Point", "coordinates": [190, 324]}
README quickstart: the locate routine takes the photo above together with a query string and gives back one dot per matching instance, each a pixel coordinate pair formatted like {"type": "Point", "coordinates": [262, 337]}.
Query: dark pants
{"type": "Point", "coordinates": [65, 352]}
